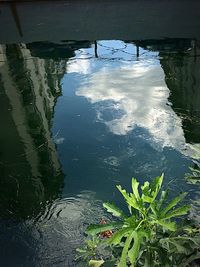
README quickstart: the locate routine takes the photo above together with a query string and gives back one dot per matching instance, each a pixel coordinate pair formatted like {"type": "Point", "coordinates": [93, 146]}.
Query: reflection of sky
{"type": "Point", "coordinates": [129, 94]}
{"type": "Point", "coordinates": [114, 121]}
{"type": "Point", "coordinates": [110, 124]}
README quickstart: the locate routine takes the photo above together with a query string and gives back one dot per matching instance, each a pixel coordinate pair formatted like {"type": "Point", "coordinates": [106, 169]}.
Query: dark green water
{"type": "Point", "coordinates": [79, 118]}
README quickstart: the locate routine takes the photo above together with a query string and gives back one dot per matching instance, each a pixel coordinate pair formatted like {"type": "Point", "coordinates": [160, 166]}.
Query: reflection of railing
{"type": "Point", "coordinates": [96, 48]}
{"type": "Point", "coordinates": [13, 8]}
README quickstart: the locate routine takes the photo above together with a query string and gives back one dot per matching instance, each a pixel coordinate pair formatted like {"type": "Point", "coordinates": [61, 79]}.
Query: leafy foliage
{"type": "Point", "coordinates": [149, 235]}
{"type": "Point", "coordinates": [194, 176]}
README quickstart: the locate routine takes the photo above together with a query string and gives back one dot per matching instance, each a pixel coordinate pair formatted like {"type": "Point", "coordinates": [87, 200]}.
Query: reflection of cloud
{"type": "Point", "coordinates": [137, 90]}
{"type": "Point", "coordinates": [80, 65]}
{"type": "Point", "coordinates": [59, 141]}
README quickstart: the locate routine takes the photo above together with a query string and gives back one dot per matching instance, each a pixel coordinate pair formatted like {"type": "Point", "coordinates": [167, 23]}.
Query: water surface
{"type": "Point", "coordinates": [80, 117]}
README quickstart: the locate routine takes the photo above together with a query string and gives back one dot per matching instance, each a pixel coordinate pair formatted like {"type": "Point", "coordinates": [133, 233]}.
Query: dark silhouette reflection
{"type": "Point", "coordinates": [30, 170]}
{"type": "Point", "coordinates": [30, 83]}
{"type": "Point", "coordinates": [29, 167]}
{"type": "Point", "coordinates": [63, 50]}
{"type": "Point", "coordinates": [165, 45]}
{"type": "Point", "coordinates": [182, 72]}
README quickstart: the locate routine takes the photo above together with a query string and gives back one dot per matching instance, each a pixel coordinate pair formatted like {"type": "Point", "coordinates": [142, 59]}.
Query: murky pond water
{"type": "Point", "coordinates": [77, 118]}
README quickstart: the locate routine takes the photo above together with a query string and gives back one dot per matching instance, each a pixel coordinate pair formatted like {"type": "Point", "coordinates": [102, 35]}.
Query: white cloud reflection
{"type": "Point", "coordinates": [79, 65]}
{"type": "Point", "coordinates": [139, 92]}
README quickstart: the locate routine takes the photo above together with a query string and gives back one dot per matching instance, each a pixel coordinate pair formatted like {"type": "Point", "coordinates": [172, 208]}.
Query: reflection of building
{"type": "Point", "coordinates": [30, 170]}
{"type": "Point", "coordinates": [182, 72]}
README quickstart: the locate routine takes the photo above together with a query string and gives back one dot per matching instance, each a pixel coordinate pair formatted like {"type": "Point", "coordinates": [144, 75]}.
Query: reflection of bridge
{"type": "Point", "coordinates": [96, 20]}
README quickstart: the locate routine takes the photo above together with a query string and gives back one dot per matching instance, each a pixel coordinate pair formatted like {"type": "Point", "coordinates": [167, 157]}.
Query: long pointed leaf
{"type": "Point", "coordinates": [168, 225]}
{"type": "Point", "coordinates": [134, 251]}
{"type": "Point", "coordinates": [177, 212]}
{"type": "Point", "coordinates": [112, 208]}
{"type": "Point", "coordinates": [130, 200]}
{"type": "Point", "coordinates": [135, 185]}
{"type": "Point", "coordinates": [156, 185]}
{"type": "Point", "coordinates": [117, 237]}
{"type": "Point", "coordinates": [125, 250]}
{"type": "Point", "coordinates": [173, 203]}
{"type": "Point", "coordinates": [163, 198]}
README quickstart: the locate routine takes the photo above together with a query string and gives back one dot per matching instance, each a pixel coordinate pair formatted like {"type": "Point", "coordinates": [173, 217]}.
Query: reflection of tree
{"type": "Point", "coordinates": [30, 170]}
{"type": "Point", "coordinates": [182, 73]}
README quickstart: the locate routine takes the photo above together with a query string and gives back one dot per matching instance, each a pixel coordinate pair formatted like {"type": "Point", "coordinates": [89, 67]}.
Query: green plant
{"type": "Point", "coordinates": [149, 235]}
{"type": "Point", "coordinates": [89, 249]}
{"type": "Point", "coordinates": [194, 176]}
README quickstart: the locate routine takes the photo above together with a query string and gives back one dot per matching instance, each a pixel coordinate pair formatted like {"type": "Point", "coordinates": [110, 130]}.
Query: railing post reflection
{"type": "Point", "coordinates": [95, 49]}
{"type": "Point", "coordinates": [137, 51]}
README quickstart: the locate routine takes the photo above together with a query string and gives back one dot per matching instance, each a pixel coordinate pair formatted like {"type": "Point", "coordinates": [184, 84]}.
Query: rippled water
{"type": "Point", "coordinates": [80, 117]}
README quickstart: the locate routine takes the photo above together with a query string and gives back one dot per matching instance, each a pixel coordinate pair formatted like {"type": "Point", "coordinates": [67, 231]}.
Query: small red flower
{"type": "Point", "coordinates": [105, 234]}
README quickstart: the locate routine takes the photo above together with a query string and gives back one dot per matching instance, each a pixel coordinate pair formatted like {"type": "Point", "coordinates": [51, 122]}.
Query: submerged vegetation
{"type": "Point", "coordinates": [149, 234]}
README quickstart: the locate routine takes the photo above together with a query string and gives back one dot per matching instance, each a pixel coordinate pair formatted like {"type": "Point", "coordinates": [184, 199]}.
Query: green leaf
{"type": "Point", "coordinates": [155, 186]}
{"type": "Point", "coordinates": [173, 203]}
{"type": "Point", "coordinates": [96, 263]}
{"type": "Point", "coordinates": [177, 212]}
{"type": "Point", "coordinates": [80, 250]}
{"type": "Point", "coordinates": [149, 261]}
{"type": "Point", "coordinates": [94, 229]}
{"type": "Point", "coordinates": [150, 191]}
{"type": "Point", "coordinates": [189, 260]}
{"type": "Point", "coordinates": [194, 170]}
{"type": "Point", "coordinates": [146, 193]}
{"type": "Point", "coordinates": [131, 201]}
{"type": "Point", "coordinates": [134, 251]}
{"type": "Point", "coordinates": [125, 250]}
{"type": "Point", "coordinates": [132, 221]}
{"type": "Point", "coordinates": [192, 241]}
{"type": "Point", "coordinates": [147, 199]}
{"type": "Point", "coordinates": [183, 245]}
{"type": "Point", "coordinates": [167, 224]}
{"type": "Point", "coordinates": [124, 193]}
{"type": "Point", "coordinates": [117, 237]}
{"type": "Point", "coordinates": [135, 185]}
{"type": "Point", "coordinates": [153, 207]}
{"type": "Point", "coordinates": [112, 208]}
{"type": "Point", "coordinates": [145, 187]}
{"type": "Point", "coordinates": [163, 198]}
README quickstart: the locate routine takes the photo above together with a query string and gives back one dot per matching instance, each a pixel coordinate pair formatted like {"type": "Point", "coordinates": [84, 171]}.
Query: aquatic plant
{"type": "Point", "coordinates": [149, 234]}
{"type": "Point", "coordinates": [194, 176]}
